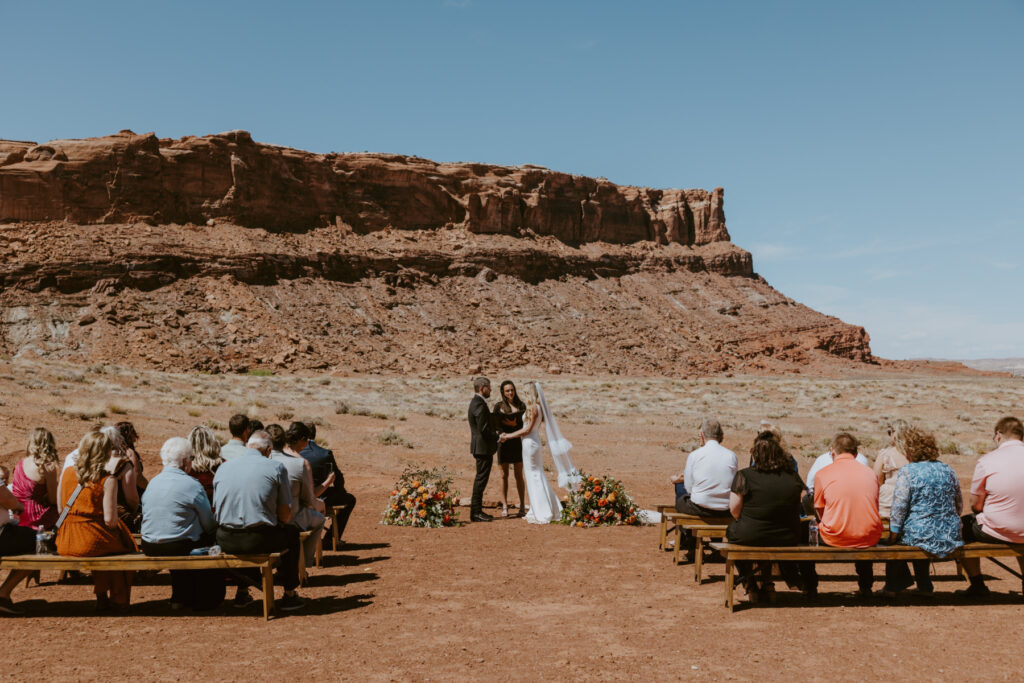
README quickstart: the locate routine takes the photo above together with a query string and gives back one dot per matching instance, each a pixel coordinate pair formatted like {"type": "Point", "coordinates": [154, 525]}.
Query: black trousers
{"type": "Point", "coordinates": [865, 573]}
{"type": "Point", "coordinates": [483, 473]}
{"type": "Point", "coordinates": [755, 575]}
{"type": "Point", "coordinates": [897, 575]}
{"type": "Point", "coordinates": [196, 588]}
{"type": "Point", "coordinates": [341, 497]}
{"type": "Point", "coordinates": [266, 539]}
{"type": "Point", "coordinates": [17, 540]}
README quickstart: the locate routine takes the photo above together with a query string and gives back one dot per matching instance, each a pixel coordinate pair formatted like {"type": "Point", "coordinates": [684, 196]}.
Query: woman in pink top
{"type": "Point", "coordinates": [34, 482]}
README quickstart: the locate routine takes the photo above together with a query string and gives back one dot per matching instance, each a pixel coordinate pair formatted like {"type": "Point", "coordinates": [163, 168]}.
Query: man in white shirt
{"type": "Point", "coordinates": [708, 475]}
{"type": "Point", "coordinates": [240, 430]}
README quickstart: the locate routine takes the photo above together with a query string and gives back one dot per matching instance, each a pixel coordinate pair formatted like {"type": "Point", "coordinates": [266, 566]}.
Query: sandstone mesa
{"type": "Point", "coordinates": [222, 254]}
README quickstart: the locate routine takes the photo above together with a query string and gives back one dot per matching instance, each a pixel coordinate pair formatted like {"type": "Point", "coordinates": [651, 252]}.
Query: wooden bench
{"type": "Point", "coordinates": [332, 513]}
{"type": "Point", "coordinates": [138, 561]}
{"type": "Point", "coordinates": [318, 556]}
{"type": "Point", "coordinates": [703, 530]}
{"type": "Point", "coordinates": [663, 510]}
{"type": "Point", "coordinates": [818, 553]}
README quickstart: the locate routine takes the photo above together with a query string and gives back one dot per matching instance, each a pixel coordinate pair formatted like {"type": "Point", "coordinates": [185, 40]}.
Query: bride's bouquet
{"type": "Point", "coordinates": [422, 498]}
{"type": "Point", "coordinates": [597, 501]}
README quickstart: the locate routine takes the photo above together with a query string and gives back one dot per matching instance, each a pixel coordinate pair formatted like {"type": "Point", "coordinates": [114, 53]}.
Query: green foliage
{"type": "Point", "coordinates": [422, 498]}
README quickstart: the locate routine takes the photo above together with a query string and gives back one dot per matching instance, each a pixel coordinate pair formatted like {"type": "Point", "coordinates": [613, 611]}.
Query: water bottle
{"type": "Point", "coordinates": [44, 542]}
{"type": "Point", "coordinates": [812, 533]}
{"type": "Point", "coordinates": [214, 551]}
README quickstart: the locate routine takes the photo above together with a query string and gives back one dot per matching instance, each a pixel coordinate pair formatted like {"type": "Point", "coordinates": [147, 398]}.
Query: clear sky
{"type": "Point", "coordinates": [872, 153]}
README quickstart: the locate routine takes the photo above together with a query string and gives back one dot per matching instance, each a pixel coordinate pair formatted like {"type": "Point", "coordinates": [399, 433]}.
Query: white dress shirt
{"type": "Point", "coordinates": [709, 473]}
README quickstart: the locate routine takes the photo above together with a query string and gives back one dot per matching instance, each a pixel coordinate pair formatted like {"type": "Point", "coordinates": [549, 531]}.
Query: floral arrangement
{"type": "Point", "coordinates": [599, 501]}
{"type": "Point", "coordinates": [422, 498]}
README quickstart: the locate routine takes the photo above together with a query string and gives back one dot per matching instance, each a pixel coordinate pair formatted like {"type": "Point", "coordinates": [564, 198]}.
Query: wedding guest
{"type": "Point", "coordinates": [35, 481]}
{"type": "Point", "coordinates": [822, 461]}
{"type": "Point", "coordinates": [508, 414]}
{"type": "Point", "coordinates": [307, 509]}
{"type": "Point", "coordinates": [925, 510]}
{"type": "Point", "coordinates": [328, 479]}
{"type": "Point", "coordinates": [764, 500]}
{"type": "Point", "coordinates": [205, 457]}
{"type": "Point", "coordinates": [131, 514]}
{"type": "Point", "coordinates": [888, 463]}
{"type": "Point", "coordinates": [92, 527]}
{"type": "Point", "coordinates": [708, 474]}
{"type": "Point", "coordinates": [240, 429]}
{"type": "Point", "coordinates": [256, 425]}
{"type": "Point", "coordinates": [253, 504]}
{"type": "Point", "coordinates": [131, 437]}
{"type": "Point", "coordinates": [14, 540]}
{"type": "Point", "coordinates": [128, 495]}
{"type": "Point", "coordinates": [177, 519]}
{"type": "Point", "coordinates": [776, 432]}
{"type": "Point", "coordinates": [997, 499]}
{"type": "Point", "coordinates": [846, 503]}
{"type": "Point", "coordinates": [5, 475]}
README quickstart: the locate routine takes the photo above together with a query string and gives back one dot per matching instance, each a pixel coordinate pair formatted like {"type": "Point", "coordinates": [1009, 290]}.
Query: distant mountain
{"type": "Point", "coordinates": [1011, 365]}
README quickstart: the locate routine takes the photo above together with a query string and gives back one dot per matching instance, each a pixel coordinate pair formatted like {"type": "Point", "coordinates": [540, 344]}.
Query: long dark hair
{"type": "Point", "coordinates": [517, 402]}
{"type": "Point", "coordinates": [767, 454]}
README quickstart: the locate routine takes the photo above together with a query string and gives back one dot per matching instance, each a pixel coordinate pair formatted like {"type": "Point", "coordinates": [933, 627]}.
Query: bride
{"type": "Point", "coordinates": [544, 504]}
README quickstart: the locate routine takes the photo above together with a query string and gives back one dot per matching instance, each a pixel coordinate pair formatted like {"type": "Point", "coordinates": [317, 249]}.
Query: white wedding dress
{"type": "Point", "coordinates": [544, 504]}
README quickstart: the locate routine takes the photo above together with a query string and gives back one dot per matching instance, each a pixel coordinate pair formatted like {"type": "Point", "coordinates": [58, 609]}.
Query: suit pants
{"type": "Point", "coordinates": [196, 588]}
{"type": "Point", "coordinates": [266, 539]}
{"type": "Point", "coordinates": [341, 497]}
{"type": "Point", "coordinates": [483, 473]}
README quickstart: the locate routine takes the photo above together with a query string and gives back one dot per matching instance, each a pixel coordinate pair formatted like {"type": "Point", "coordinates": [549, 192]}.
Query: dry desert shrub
{"type": "Point", "coordinates": [390, 437]}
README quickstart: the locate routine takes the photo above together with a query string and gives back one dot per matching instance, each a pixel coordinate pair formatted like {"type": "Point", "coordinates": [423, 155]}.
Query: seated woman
{"type": "Point", "coordinates": [925, 512]}
{"type": "Point", "coordinates": [307, 509]}
{"type": "Point", "coordinates": [888, 464]}
{"type": "Point", "coordinates": [35, 481]}
{"type": "Point", "coordinates": [765, 502]}
{"type": "Point", "coordinates": [92, 527]}
{"type": "Point", "coordinates": [14, 540]}
{"type": "Point", "coordinates": [205, 457]}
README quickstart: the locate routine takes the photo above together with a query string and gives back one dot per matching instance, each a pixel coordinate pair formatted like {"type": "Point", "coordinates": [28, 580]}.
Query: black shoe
{"type": "Point", "coordinates": [865, 593]}
{"type": "Point", "coordinates": [7, 607]}
{"type": "Point", "coordinates": [290, 603]}
{"type": "Point", "coordinates": [481, 517]}
{"type": "Point", "coordinates": [242, 598]}
{"type": "Point", "coordinates": [975, 590]}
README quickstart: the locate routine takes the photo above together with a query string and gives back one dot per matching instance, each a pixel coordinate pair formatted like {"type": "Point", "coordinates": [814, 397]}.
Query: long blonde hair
{"type": "Point", "coordinates": [205, 450]}
{"type": "Point", "coordinates": [93, 453]}
{"type": "Point", "coordinates": [42, 449]}
{"type": "Point", "coordinates": [530, 399]}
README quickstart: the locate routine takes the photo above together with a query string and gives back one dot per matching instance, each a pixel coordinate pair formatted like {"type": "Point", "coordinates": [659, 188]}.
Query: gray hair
{"type": "Point", "coordinates": [711, 429]}
{"type": "Point", "coordinates": [479, 383]}
{"type": "Point", "coordinates": [117, 441]}
{"type": "Point", "coordinates": [260, 441]}
{"type": "Point", "coordinates": [175, 452]}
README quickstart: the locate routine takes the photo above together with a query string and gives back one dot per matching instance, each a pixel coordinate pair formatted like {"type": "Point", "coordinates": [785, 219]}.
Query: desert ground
{"type": "Point", "coordinates": [507, 600]}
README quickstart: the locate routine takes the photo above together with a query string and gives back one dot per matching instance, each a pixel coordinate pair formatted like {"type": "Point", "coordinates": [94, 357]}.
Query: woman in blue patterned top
{"type": "Point", "coordinates": [925, 511]}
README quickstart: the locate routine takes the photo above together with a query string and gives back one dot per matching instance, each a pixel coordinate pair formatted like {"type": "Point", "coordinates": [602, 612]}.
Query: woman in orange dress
{"type": "Point", "coordinates": [92, 527]}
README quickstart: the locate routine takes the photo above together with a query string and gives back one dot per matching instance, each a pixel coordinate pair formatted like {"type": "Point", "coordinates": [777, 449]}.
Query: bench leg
{"type": "Point", "coordinates": [698, 560]}
{"type": "Point", "coordinates": [662, 532]}
{"type": "Point", "coordinates": [334, 531]}
{"type": "Point", "coordinates": [320, 550]}
{"type": "Point", "coordinates": [679, 543]}
{"type": "Point", "coordinates": [268, 590]}
{"type": "Point", "coordinates": [728, 585]}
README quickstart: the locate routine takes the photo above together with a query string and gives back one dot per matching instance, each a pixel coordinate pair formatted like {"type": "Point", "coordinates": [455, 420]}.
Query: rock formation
{"type": "Point", "coordinates": [219, 253]}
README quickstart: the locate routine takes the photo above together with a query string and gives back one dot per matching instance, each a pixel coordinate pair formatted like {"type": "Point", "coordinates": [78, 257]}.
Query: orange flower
{"type": "Point", "coordinates": [408, 505]}
{"type": "Point", "coordinates": [440, 495]}
{"type": "Point", "coordinates": [416, 484]}
{"type": "Point", "coordinates": [447, 519]}
{"type": "Point", "coordinates": [423, 513]}
{"type": "Point", "coordinates": [602, 502]}
{"type": "Point", "coordinates": [395, 492]}
{"type": "Point", "coordinates": [588, 495]}
{"type": "Point", "coordinates": [611, 497]}
{"type": "Point", "coordinates": [597, 488]}
{"type": "Point", "coordinates": [579, 524]}
{"type": "Point", "coordinates": [422, 489]}
{"type": "Point", "coordinates": [405, 491]}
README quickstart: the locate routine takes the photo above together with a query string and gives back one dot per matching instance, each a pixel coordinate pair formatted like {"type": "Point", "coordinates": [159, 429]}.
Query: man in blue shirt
{"type": "Point", "coordinates": [240, 429]}
{"type": "Point", "coordinates": [253, 499]}
{"type": "Point", "coordinates": [176, 519]}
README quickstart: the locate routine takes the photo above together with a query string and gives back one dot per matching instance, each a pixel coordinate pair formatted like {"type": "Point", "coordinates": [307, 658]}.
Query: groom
{"type": "Point", "coordinates": [483, 444]}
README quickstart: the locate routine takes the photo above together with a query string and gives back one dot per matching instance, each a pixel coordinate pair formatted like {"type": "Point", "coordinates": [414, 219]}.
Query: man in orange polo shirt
{"type": "Point", "coordinates": [846, 502]}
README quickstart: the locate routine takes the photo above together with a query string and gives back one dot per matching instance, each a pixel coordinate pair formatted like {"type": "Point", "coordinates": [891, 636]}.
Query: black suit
{"type": "Point", "coordinates": [483, 444]}
{"type": "Point", "coordinates": [321, 461]}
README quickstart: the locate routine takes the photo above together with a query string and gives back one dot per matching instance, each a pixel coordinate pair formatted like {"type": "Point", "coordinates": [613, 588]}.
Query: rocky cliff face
{"type": "Point", "coordinates": [219, 253]}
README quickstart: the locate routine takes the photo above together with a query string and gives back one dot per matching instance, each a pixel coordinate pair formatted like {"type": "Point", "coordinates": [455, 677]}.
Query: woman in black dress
{"type": "Point", "coordinates": [765, 502]}
{"type": "Point", "coordinates": [508, 415]}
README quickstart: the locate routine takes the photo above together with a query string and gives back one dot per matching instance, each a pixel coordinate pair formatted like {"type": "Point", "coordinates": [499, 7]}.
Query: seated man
{"type": "Point", "coordinates": [177, 519]}
{"type": "Point", "coordinates": [240, 429]}
{"type": "Point", "coordinates": [997, 499]}
{"type": "Point", "coordinates": [253, 502]}
{"type": "Point", "coordinates": [846, 503]}
{"type": "Point", "coordinates": [708, 475]}
{"type": "Point", "coordinates": [328, 479]}
{"type": "Point", "coordinates": [307, 510]}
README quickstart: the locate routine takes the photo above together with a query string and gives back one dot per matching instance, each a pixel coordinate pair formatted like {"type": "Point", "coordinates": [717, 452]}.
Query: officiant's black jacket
{"type": "Point", "coordinates": [484, 437]}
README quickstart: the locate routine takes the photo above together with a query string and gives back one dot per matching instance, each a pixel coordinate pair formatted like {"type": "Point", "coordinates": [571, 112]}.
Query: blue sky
{"type": "Point", "coordinates": [872, 153]}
